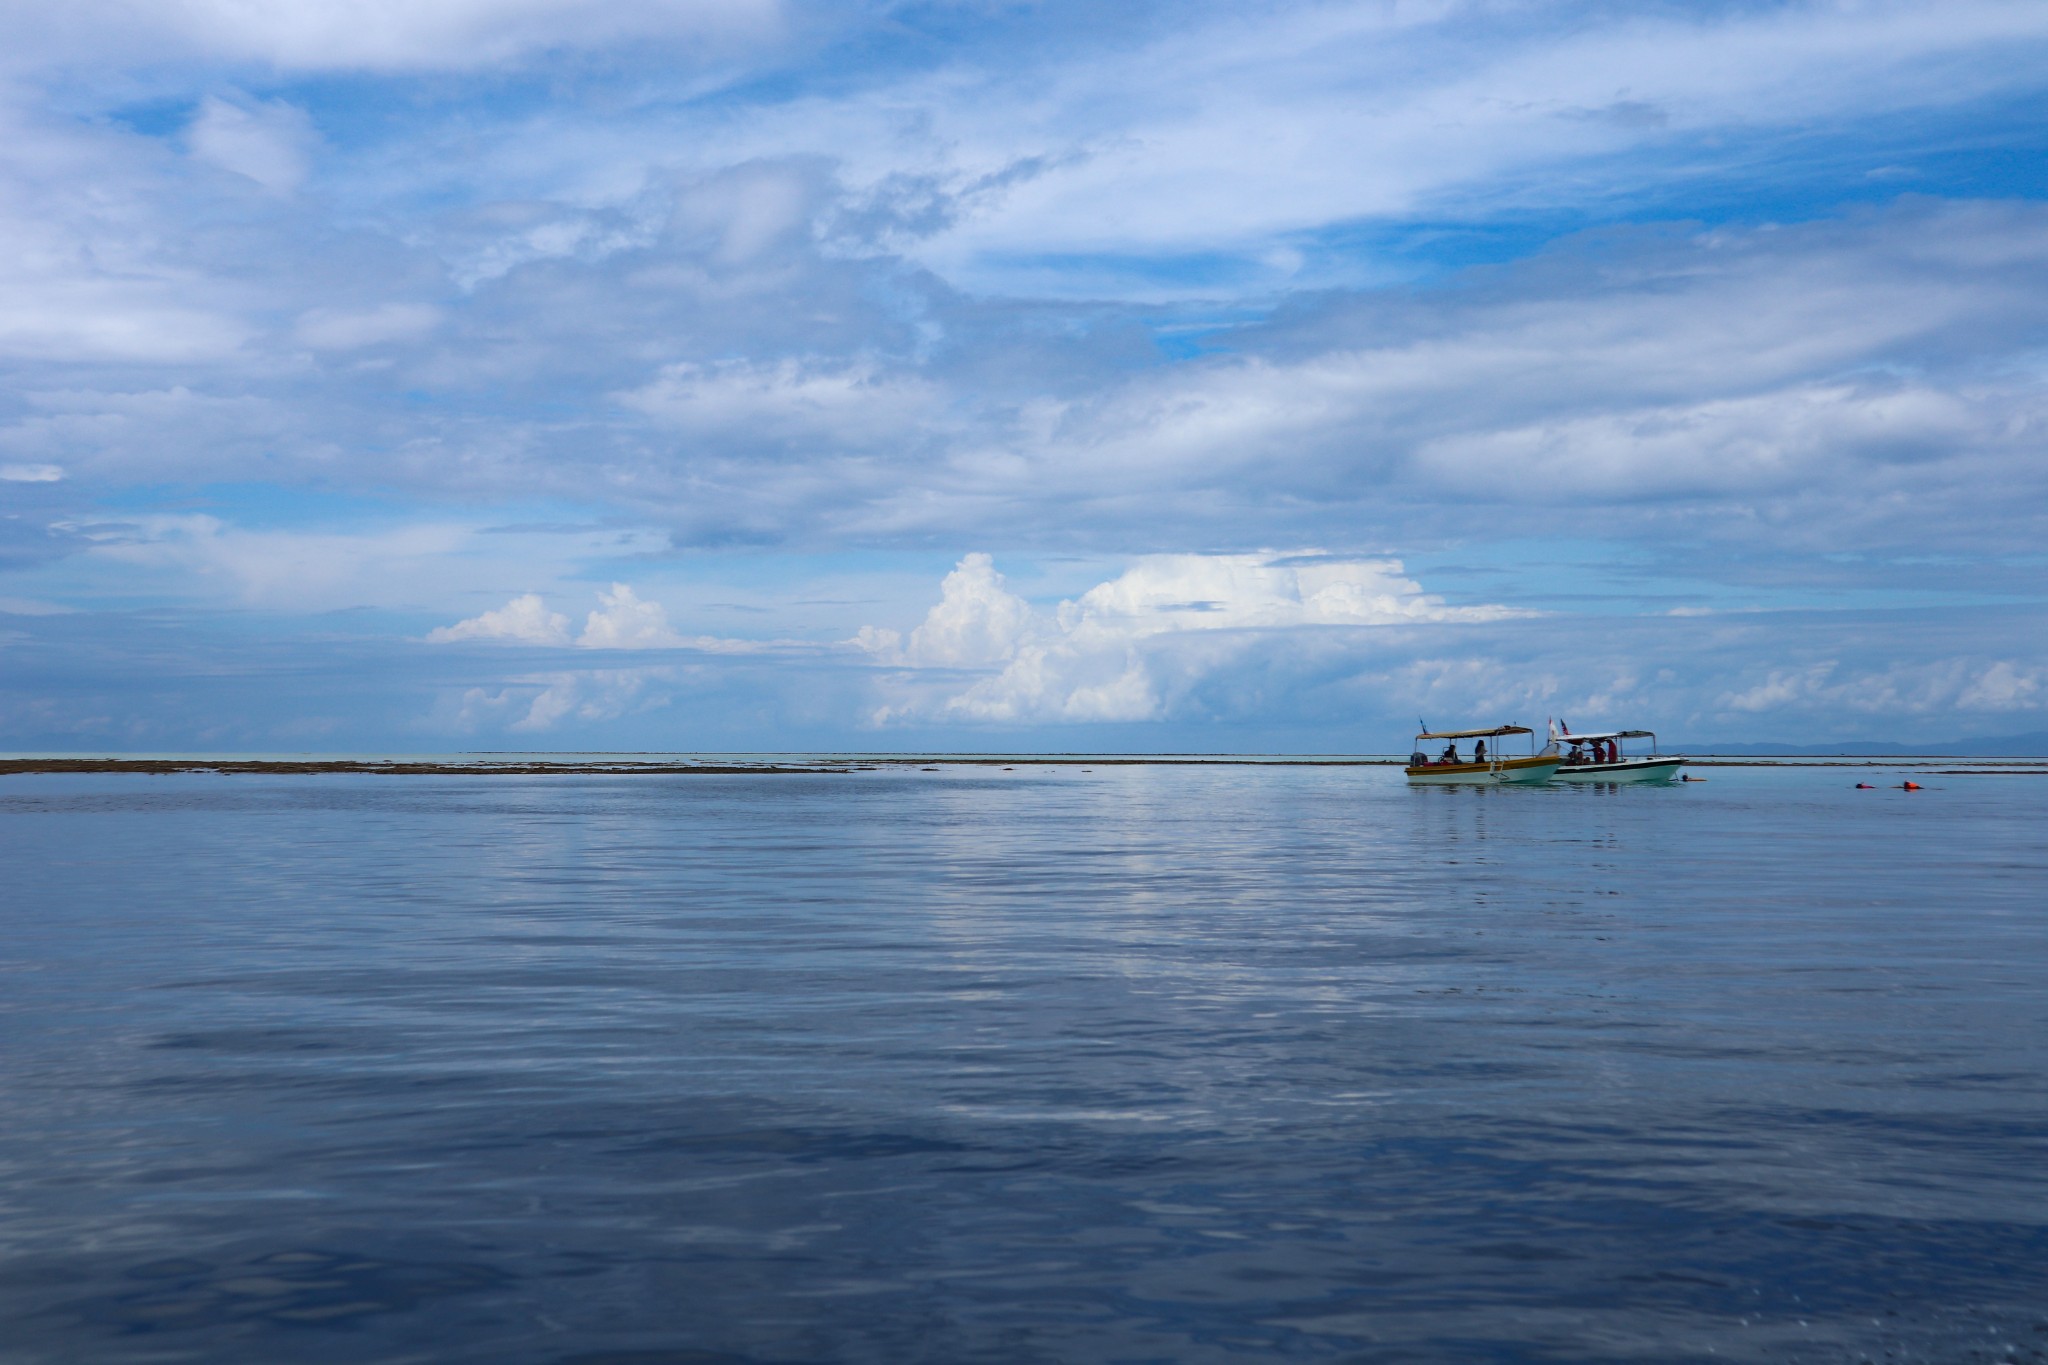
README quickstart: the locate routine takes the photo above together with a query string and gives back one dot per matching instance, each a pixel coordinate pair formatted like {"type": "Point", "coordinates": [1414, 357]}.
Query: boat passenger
{"type": "Point", "coordinates": [1450, 753]}
{"type": "Point", "coordinates": [1479, 752]}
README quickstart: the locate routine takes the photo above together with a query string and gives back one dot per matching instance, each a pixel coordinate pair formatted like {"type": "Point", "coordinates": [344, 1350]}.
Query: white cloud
{"type": "Point", "coordinates": [28, 606]}
{"type": "Point", "coordinates": [597, 695]}
{"type": "Point", "coordinates": [741, 213]}
{"type": "Point", "coordinates": [1242, 128]}
{"type": "Point", "coordinates": [31, 473]}
{"type": "Point", "coordinates": [525, 620]}
{"type": "Point", "coordinates": [1725, 367]}
{"type": "Point", "coordinates": [1744, 444]}
{"type": "Point", "coordinates": [267, 141]}
{"type": "Point", "coordinates": [1900, 689]}
{"type": "Point", "coordinates": [2005, 686]}
{"type": "Point", "coordinates": [1227, 592]}
{"type": "Point", "coordinates": [201, 560]}
{"type": "Point", "coordinates": [622, 620]}
{"type": "Point", "coordinates": [376, 35]}
{"type": "Point", "coordinates": [539, 702]}
{"type": "Point", "coordinates": [54, 307]}
{"type": "Point", "coordinates": [978, 623]}
{"type": "Point", "coordinates": [1130, 648]}
{"type": "Point", "coordinates": [279, 569]}
{"type": "Point", "coordinates": [790, 400]}
{"type": "Point", "coordinates": [95, 261]}
{"type": "Point", "coordinates": [97, 434]}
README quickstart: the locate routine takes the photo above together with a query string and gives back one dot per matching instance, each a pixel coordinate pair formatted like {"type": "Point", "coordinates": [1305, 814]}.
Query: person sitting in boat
{"type": "Point", "coordinates": [1577, 755]}
{"type": "Point", "coordinates": [1450, 753]}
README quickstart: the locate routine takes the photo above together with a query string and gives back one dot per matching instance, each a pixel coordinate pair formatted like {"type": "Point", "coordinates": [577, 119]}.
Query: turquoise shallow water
{"type": "Point", "coordinates": [1139, 1064]}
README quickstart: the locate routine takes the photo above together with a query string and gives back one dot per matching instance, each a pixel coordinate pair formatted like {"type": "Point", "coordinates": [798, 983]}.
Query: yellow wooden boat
{"type": "Point", "coordinates": [1486, 762]}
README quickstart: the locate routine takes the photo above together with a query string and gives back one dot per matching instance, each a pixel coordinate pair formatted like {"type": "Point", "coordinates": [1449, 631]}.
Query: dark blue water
{"type": "Point", "coordinates": [1142, 1064]}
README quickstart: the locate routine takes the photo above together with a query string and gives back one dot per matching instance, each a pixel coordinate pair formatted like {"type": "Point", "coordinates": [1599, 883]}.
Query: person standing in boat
{"type": "Point", "coordinates": [1479, 752]}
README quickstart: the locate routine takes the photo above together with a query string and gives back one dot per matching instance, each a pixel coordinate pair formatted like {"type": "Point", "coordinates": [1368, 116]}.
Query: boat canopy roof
{"type": "Point", "coordinates": [1607, 734]}
{"type": "Point", "coordinates": [1478, 734]}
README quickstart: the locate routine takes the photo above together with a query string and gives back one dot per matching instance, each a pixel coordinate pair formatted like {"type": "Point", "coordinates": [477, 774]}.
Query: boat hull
{"type": "Point", "coordinates": [1627, 770]}
{"type": "Point", "coordinates": [1515, 771]}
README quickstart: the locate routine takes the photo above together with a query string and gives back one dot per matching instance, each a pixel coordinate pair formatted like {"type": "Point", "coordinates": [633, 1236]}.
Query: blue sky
{"type": "Point", "coordinates": [521, 374]}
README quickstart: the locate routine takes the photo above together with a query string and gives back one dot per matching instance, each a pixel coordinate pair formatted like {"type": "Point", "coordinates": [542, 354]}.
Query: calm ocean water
{"type": "Point", "coordinates": [1138, 1064]}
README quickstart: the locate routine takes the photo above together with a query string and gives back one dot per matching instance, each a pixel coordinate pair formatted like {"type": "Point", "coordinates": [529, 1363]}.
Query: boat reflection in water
{"type": "Point", "coordinates": [1486, 761]}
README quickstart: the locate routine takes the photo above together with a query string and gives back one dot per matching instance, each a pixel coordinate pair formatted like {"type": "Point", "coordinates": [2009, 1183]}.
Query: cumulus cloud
{"type": "Point", "coordinates": [622, 620]}
{"type": "Point", "coordinates": [978, 623]}
{"type": "Point", "coordinates": [524, 620]}
{"type": "Point", "coordinates": [1129, 649]}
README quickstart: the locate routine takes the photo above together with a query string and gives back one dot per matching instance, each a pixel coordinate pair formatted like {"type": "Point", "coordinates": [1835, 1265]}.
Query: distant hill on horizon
{"type": "Point", "coordinates": [2031, 745]}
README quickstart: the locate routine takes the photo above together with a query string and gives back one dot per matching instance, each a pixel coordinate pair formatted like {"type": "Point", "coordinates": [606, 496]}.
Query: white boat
{"type": "Point", "coordinates": [1485, 764]}
{"type": "Point", "coordinates": [1604, 757]}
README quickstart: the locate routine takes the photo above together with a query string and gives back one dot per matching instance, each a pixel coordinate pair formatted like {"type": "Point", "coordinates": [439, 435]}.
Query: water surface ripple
{"type": "Point", "coordinates": [1137, 1064]}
